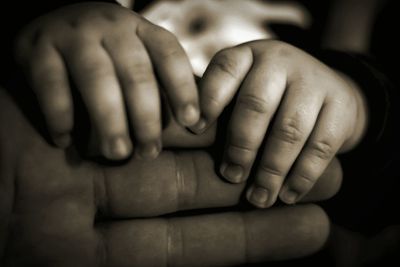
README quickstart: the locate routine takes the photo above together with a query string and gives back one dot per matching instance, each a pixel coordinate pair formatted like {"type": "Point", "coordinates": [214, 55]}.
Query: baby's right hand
{"type": "Point", "coordinates": [112, 55]}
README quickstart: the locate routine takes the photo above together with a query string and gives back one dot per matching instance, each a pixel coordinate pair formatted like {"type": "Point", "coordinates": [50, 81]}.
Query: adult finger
{"type": "Point", "coordinates": [173, 68]}
{"type": "Point", "coordinates": [323, 143]}
{"type": "Point", "coordinates": [258, 99]}
{"type": "Point", "coordinates": [135, 72]}
{"type": "Point", "coordinates": [293, 124]}
{"type": "Point", "coordinates": [220, 82]}
{"type": "Point", "coordinates": [49, 80]}
{"type": "Point", "coordinates": [175, 182]}
{"type": "Point", "coordinates": [221, 239]}
{"type": "Point", "coordinates": [92, 71]}
{"type": "Point", "coordinates": [171, 182]}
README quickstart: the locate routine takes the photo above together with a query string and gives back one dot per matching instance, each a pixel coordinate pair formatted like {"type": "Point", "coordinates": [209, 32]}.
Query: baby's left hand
{"type": "Point", "coordinates": [308, 111]}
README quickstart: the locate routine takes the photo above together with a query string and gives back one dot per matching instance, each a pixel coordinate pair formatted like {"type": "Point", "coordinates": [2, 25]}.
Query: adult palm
{"type": "Point", "coordinates": [59, 209]}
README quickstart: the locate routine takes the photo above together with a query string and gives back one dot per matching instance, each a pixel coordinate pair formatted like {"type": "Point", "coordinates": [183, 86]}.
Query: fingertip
{"type": "Point", "coordinates": [234, 173]}
{"type": "Point", "coordinates": [189, 115]}
{"type": "Point", "coordinates": [258, 196]}
{"type": "Point", "coordinates": [289, 196]}
{"type": "Point", "coordinates": [200, 127]}
{"type": "Point", "coordinates": [62, 140]}
{"type": "Point", "coordinates": [117, 148]}
{"type": "Point", "coordinates": [149, 150]}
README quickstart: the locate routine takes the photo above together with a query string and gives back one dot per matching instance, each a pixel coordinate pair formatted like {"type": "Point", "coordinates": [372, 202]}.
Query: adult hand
{"type": "Point", "coordinates": [57, 209]}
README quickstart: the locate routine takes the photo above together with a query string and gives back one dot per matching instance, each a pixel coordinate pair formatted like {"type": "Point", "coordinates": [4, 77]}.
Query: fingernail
{"type": "Point", "coordinates": [118, 148]}
{"type": "Point", "coordinates": [62, 140]}
{"type": "Point", "coordinates": [258, 196]}
{"type": "Point", "coordinates": [290, 196]}
{"type": "Point", "coordinates": [232, 172]}
{"type": "Point", "coordinates": [189, 115]}
{"type": "Point", "coordinates": [150, 150]}
{"type": "Point", "coordinates": [199, 127]}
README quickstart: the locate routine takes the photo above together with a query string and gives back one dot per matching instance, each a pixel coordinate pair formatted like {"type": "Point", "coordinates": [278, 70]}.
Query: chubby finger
{"type": "Point", "coordinates": [219, 239]}
{"type": "Point", "coordinates": [258, 99]}
{"type": "Point", "coordinates": [173, 68]}
{"type": "Point", "coordinates": [327, 185]}
{"type": "Point", "coordinates": [322, 145]}
{"type": "Point", "coordinates": [220, 82]}
{"type": "Point", "coordinates": [50, 83]}
{"type": "Point", "coordinates": [135, 72]}
{"type": "Point", "coordinates": [92, 71]}
{"type": "Point", "coordinates": [296, 117]}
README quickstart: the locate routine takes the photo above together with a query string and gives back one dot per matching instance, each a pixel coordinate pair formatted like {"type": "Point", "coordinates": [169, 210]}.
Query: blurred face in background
{"type": "Point", "coordinates": [205, 27]}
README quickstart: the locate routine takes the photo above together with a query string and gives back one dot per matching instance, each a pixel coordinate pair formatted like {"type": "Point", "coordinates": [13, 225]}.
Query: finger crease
{"type": "Point", "coordinates": [271, 171]}
{"type": "Point", "coordinates": [246, 256]}
{"type": "Point", "coordinates": [101, 195]}
{"type": "Point", "coordinates": [180, 183]}
{"type": "Point", "coordinates": [241, 147]}
{"type": "Point", "coordinates": [102, 248]}
{"type": "Point", "coordinates": [306, 178]}
{"type": "Point", "coordinates": [174, 244]}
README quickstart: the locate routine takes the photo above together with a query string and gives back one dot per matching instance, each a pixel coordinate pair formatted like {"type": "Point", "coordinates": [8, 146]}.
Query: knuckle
{"type": "Point", "coordinates": [243, 147]}
{"type": "Point", "coordinates": [137, 77]}
{"type": "Point", "coordinates": [289, 131]}
{"type": "Point", "coordinates": [305, 180]}
{"type": "Point", "coordinates": [241, 154]}
{"type": "Point", "coordinates": [211, 101]}
{"type": "Point", "coordinates": [171, 52]}
{"type": "Point", "coordinates": [253, 103]}
{"type": "Point", "coordinates": [48, 79]}
{"type": "Point", "coordinates": [322, 149]}
{"type": "Point", "coordinates": [182, 85]}
{"type": "Point", "coordinates": [270, 170]}
{"type": "Point", "coordinates": [280, 49]}
{"type": "Point", "coordinates": [224, 62]}
{"type": "Point", "coordinates": [96, 68]}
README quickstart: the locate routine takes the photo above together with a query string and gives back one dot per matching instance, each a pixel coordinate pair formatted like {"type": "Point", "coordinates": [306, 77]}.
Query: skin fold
{"type": "Point", "coordinates": [58, 208]}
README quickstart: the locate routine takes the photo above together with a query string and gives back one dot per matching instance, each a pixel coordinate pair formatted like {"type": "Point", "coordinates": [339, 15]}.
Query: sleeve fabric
{"type": "Point", "coordinates": [367, 199]}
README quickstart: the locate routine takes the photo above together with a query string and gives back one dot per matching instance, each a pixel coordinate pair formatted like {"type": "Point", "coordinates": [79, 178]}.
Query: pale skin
{"type": "Point", "coordinates": [58, 209]}
{"type": "Point", "coordinates": [113, 56]}
{"type": "Point", "coordinates": [306, 111]}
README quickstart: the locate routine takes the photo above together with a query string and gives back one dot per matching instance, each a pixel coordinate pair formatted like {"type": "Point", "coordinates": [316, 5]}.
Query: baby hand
{"type": "Point", "coordinates": [112, 56]}
{"type": "Point", "coordinates": [305, 112]}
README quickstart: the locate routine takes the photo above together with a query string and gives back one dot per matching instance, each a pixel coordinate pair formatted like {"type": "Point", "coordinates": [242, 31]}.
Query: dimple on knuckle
{"type": "Point", "coordinates": [253, 103]}
{"type": "Point", "coordinates": [322, 149]}
{"type": "Point", "coordinates": [289, 131]}
{"type": "Point", "coordinates": [225, 63]}
{"type": "Point", "coordinates": [270, 170]}
{"type": "Point", "coordinates": [139, 78]}
{"type": "Point", "coordinates": [212, 101]}
{"type": "Point", "coordinates": [94, 69]}
{"type": "Point", "coordinates": [305, 180]}
{"type": "Point", "coordinates": [49, 81]}
{"type": "Point", "coordinates": [241, 147]}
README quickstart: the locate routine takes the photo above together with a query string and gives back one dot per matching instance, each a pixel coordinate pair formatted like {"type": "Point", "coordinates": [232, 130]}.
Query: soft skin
{"type": "Point", "coordinates": [59, 209]}
{"type": "Point", "coordinates": [304, 111]}
{"type": "Point", "coordinates": [113, 57]}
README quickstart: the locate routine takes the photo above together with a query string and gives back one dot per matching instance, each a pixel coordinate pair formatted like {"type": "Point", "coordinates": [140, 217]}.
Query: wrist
{"type": "Point", "coordinates": [361, 116]}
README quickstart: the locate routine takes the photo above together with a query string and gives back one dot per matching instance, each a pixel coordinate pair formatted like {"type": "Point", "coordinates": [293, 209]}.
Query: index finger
{"type": "Point", "coordinates": [222, 239]}
{"type": "Point", "coordinates": [174, 69]}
